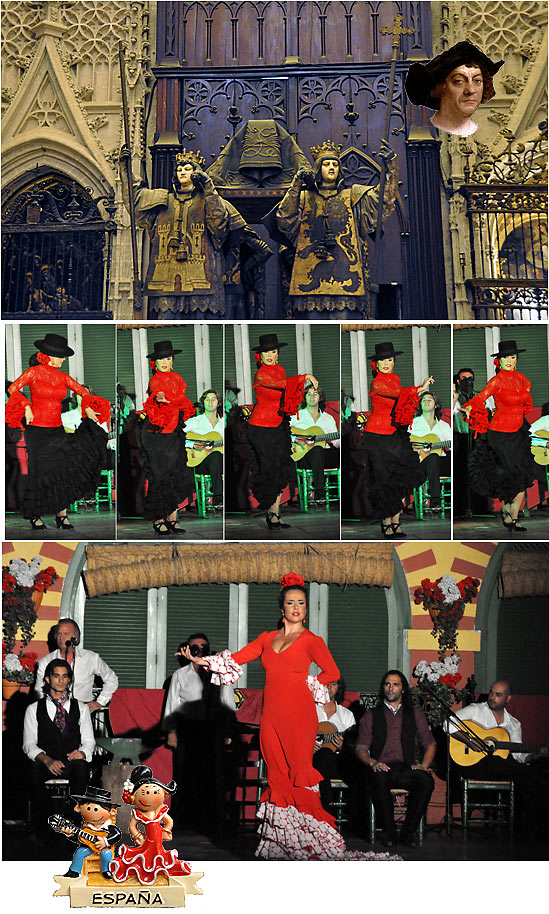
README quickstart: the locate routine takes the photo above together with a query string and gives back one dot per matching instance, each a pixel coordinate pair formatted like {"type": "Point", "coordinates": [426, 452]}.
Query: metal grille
{"type": "Point", "coordinates": [56, 251]}
{"type": "Point", "coordinates": [507, 213]}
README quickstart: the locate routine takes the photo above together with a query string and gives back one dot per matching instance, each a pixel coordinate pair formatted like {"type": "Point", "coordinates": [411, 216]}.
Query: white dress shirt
{"type": "Point", "coordinates": [30, 728]}
{"type": "Point", "coordinates": [342, 719]}
{"type": "Point", "coordinates": [87, 664]}
{"type": "Point", "coordinates": [186, 688]}
{"type": "Point", "coordinates": [201, 425]}
{"type": "Point", "coordinates": [421, 427]}
{"type": "Point", "coordinates": [325, 421]}
{"type": "Point", "coordinates": [540, 425]}
{"type": "Point", "coordinates": [481, 714]}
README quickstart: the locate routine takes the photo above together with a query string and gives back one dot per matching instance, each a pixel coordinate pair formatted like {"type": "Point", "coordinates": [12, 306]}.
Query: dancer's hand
{"type": "Point", "coordinates": [161, 397]}
{"type": "Point", "coordinates": [466, 410]}
{"type": "Point", "coordinates": [312, 379]}
{"type": "Point", "coordinates": [200, 661]}
{"type": "Point", "coordinates": [91, 414]}
{"type": "Point", "coordinates": [29, 415]}
{"type": "Point", "coordinates": [425, 385]}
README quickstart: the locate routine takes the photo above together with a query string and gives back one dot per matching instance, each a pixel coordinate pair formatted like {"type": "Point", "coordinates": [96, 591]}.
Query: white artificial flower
{"type": "Point", "coordinates": [34, 565]}
{"type": "Point", "coordinates": [12, 663]}
{"type": "Point", "coordinates": [421, 669]}
{"type": "Point", "coordinates": [449, 588]}
{"type": "Point", "coordinates": [21, 572]}
{"type": "Point", "coordinates": [129, 786]}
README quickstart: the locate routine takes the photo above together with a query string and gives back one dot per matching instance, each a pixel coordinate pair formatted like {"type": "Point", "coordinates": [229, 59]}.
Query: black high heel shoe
{"type": "Point", "coordinates": [162, 528]}
{"type": "Point", "coordinates": [518, 528]}
{"type": "Point", "coordinates": [35, 525]}
{"type": "Point", "coordinates": [279, 525]}
{"type": "Point", "coordinates": [385, 530]}
{"type": "Point", "coordinates": [508, 526]}
{"type": "Point", "coordinates": [172, 524]}
{"type": "Point", "coordinates": [398, 531]}
{"type": "Point", "coordinates": [60, 522]}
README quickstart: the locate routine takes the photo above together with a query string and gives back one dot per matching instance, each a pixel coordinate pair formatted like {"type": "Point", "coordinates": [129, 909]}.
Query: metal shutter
{"type": "Point", "coordinates": [470, 352]}
{"type": "Point", "coordinates": [187, 614]}
{"type": "Point", "coordinates": [98, 342]}
{"type": "Point", "coordinates": [523, 635]}
{"type": "Point", "coordinates": [438, 342]}
{"type": "Point", "coordinates": [124, 362]}
{"type": "Point", "coordinates": [358, 634]}
{"type": "Point", "coordinates": [325, 343]}
{"type": "Point", "coordinates": [263, 616]}
{"type": "Point", "coordinates": [116, 627]}
{"type": "Point", "coordinates": [346, 367]}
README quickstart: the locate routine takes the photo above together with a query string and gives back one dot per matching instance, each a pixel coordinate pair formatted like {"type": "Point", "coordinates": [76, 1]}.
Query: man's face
{"type": "Point", "coordinates": [498, 696]}
{"type": "Point", "coordinates": [64, 633]}
{"type": "Point", "coordinates": [210, 403]}
{"type": "Point", "coordinates": [427, 403]}
{"type": "Point", "coordinates": [332, 689]}
{"type": "Point", "coordinates": [462, 92]}
{"type": "Point", "coordinates": [93, 814]}
{"type": "Point", "coordinates": [58, 680]}
{"type": "Point", "coordinates": [392, 688]}
{"type": "Point", "coordinates": [329, 171]}
{"type": "Point", "coordinates": [312, 397]}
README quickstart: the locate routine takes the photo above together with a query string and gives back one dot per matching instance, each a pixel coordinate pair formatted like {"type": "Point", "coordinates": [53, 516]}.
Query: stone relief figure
{"type": "Point", "coordinates": [327, 225]}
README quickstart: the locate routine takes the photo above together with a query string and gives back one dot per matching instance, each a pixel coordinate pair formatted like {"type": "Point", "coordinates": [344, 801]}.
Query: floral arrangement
{"type": "Point", "coordinates": [438, 680]}
{"type": "Point", "coordinates": [444, 600]}
{"type": "Point", "coordinates": [22, 585]}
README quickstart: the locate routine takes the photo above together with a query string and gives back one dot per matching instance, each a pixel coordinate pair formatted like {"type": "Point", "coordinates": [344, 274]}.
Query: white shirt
{"type": "Point", "coordinates": [325, 421]}
{"type": "Point", "coordinates": [421, 427]}
{"type": "Point", "coordinates": [185, 688]}
{"type": "Point", "coordinates": [30, 728]}
{"type": "Point", "coordinates": [540, 425]}
{"type": "Point", "coordinates": [87, 664]}
{"type": "Point", "coordinates": [201, 425]}
{"type": "Point", "coordinates": [342, 719]}
{"type": "Point", "coordinates": [482, 715]}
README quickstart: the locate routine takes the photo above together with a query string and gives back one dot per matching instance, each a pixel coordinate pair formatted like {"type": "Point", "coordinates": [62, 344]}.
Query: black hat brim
{"type": "Point", "coordinates": [165, 355]}
{"type": "Point", "coordinates": [262, 348]}
{"type": "Point", "coordinates": [380, 358]}
{"type": "Point", "coordinates": [41, 344]}
{"type": "Point", "coordinates": [421, 78]}
{"type": "Point", "coordinates": [504, 355]}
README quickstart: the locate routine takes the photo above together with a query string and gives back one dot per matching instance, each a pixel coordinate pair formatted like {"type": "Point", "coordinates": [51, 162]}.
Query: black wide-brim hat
{"type": "Point", "coordinates": [54, 344]}
{"type": "Point", "coordinates": [422, 78]}
{"type": "Point", "coordinates": [142, 774]}
{"type": "Point", "coordinates": [267, 342]}
{"type": "Point", "coordinates": [507, 347]}
{"type": "Point", "coordinates": [163, 350]}
{"type": "Point", "coordinates": [385, 351]}
{"type": "Point", "coordinates": [95, 795]}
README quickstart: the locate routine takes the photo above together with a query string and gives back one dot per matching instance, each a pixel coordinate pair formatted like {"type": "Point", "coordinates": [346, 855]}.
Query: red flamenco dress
{"type": "Point", "coordinates": [276, 399]}
{"type": "Point", "coordinates": [150, 859]}
{"type": "Point", "coordinates": [295, 826]}
{"type": "Point", "coordinates": [162, 450]}
{"type": "Point", "coordinates": [62, 467]}
{"type": "Point", "coordinates": [501, 463]}
{"type": "Point", "coordinates": [393, 468]}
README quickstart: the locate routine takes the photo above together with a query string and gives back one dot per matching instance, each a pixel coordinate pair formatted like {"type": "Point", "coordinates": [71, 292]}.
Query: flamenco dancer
{"type": "Point", "coordinates": [501, 465]}
{"type": "Point", "coordinates": [393, 468]}
{"type": "Point", "coordinates": [163, 452]}
{"type": "Point", "coordinates": [295, 826]}
{"type": "Point", "coordinates": [62, 467]}
{"type": "Point", "coordinates": [148, 859]}
{"type": "Point", "coordinates": [276, 398]}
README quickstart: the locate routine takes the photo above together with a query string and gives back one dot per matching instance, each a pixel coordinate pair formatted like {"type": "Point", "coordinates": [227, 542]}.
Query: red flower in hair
{"type": "Point", "coordinates": [292, 580]}
{"type": "Point", "coordinates": [373, 364]}
{"type": "Point", "coordinates": [42, 358]}
{"type": "Point", "coordinates": [257, 357]}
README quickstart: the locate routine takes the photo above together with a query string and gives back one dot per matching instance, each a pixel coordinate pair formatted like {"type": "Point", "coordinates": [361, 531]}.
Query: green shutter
{"type": "Point", "coordinates": [230, 360]}
{"type": "Point", "coordinates": [523, 635]}
{"type": "Point", "coordinates": [470, 352]}
{"type": "Point", "coordinates": [534, 362]}
{"type": "Point", "coordinates": [401, 339]}
{"type": "Point", "coordinates": [325, 342]}
{"type": "Point", "coordinates": [216, 358]}
{"type": "Point", "coordinates": [116, 627]}
{"type": "Point", "coordinates": [358, 634]}
{"type": "Point", "coordinates": [438, 347]}
{"type": "Point", "coordinates": [192, 608]}
{"type": "Point", "coordinates": [124, 362]}
{"type": "Point", "coordinates": [263, 616]}
{"type": "Point", "coordinates": [98, 343]}
{"type": "Point", "coordinates": [346, 367]}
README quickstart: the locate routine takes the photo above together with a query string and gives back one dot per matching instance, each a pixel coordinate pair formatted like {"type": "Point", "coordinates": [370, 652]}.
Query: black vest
{"type": "Point", "coordinates": [407, 735]}
{"type": "Point", "coordinates": [50, 739]}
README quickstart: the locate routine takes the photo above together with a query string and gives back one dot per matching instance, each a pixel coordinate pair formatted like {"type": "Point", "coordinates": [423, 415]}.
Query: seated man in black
{"type": "Point", "coordinates": [329, 757]}
{"type": "Point", "coordinates": [57, 738]}
{"type": "Point", "coordinates": [386, 744]}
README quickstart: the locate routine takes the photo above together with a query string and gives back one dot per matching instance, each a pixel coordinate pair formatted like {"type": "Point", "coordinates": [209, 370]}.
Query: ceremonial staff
{"type": "Point", "coordinates": [396, 31]}
{"type": "Point", "coordinates": [127, 164]}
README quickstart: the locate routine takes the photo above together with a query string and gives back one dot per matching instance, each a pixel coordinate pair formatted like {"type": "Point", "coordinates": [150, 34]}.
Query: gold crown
{"type": "Point", "coordinates": [326, 147]}
{"type": "Point", "coordinates": [189, 156]}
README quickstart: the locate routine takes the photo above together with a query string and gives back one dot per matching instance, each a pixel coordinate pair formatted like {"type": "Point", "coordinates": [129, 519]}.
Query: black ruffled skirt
{"type": "Point", "coordinates": [271, 465]}
{"type": "Point", "coordinates": [393, 470]}
{"type": "Point", "coordinates": [63, 467]}
{"type": "Point", "coordinates": [170, 480]}
{"type": "Point", "coordinates": [501, 464]}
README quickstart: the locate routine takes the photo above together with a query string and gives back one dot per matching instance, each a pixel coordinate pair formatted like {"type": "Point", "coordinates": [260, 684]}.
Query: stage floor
{"type": "Point", "coordinates": [196, 528]}
{"type": "Point", "coordinates": [315, 525]}
{"type": "Point", "coordinates": [88, 525]}
{"type": "Point", "coordinates": [431, 528]}
{"type": "Point", "coordinates": [491, 528]}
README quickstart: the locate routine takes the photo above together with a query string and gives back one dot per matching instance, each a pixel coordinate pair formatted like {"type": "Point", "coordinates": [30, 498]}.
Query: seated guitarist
{"type": "Point", "coordinates": [428, 421]}
{"type": "Point", "coordinates": [327, 756]}
{"type": "Point", "coordinates": [490, 714]}
{"type": "Point", "coordinates": [311, 414]}
{"type": "Point", "coordinates": [208, 419]}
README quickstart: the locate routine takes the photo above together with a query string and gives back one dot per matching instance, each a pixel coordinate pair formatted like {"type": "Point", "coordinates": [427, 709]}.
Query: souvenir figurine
{"type": "Point", "coordinates": [99, 834]}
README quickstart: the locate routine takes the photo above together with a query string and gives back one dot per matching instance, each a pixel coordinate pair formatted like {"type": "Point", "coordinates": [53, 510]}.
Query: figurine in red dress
{"type": "Point", "coordinates": [148, 859]}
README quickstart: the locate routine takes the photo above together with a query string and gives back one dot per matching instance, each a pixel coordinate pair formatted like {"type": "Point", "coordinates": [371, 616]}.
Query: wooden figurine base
{"type": "Point", "coordinates": [93, 891]}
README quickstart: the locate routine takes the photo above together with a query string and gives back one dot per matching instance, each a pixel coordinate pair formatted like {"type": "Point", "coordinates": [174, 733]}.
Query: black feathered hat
{"type": "Point", "coordinates": [507, 347]}
{"type": "Point", "coordinates": [423, 77]}
{"type": "Point", "coordinates": [142, 774]}
{"type": "Point", "coordinates": [163, 350]}
{"type": "Point", "coordinates": [384, 351]}
{"type": "Point", "coordinates": [268, 342]}
{"type": "Point", "coordinates": [54, 344]}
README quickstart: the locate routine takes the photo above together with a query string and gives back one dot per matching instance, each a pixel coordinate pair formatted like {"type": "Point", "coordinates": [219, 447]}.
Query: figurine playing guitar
{"type": "Point", "coordinates": [99, 834]}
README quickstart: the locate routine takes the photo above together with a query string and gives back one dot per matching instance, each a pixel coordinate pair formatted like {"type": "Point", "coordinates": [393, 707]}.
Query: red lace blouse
{"type": "Point", "coordinates": [166, 415]}
{"type": "Point", "coordinates": [48, 387]}
{"type": "Point", "coordinates": [386, 394]}
{"type": "Point", "coordinates": [512, 398]}
{"type": "Point", "coordinates": [275, 394]}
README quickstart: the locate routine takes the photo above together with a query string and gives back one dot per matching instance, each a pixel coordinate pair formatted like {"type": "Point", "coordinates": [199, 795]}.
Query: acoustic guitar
{"type": "Point", "coordinates": [307, 438]}
{"type": "Point", "coordinates": [497, 740]}
{"type": "Point", "coordinates": [325, 735]}
{"type": "Point", "coordinates": [540, 448]}
{"type": "Point", "coordinates": [89, 838]}
{"type": "Point", "coordinates": [429, 442]}
{"type": "Point", "coordinates": [210, 442]}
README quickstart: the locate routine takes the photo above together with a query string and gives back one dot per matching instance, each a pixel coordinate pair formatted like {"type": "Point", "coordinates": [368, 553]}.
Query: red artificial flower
{"type": "Point", "coordinates": [291, 580]}
{"type": "Point", "coordinates": [8, 582]}
{"type": "Point", "coordinates": [28, 661]}
{"type": "Point", "coordinates": [126, 796]}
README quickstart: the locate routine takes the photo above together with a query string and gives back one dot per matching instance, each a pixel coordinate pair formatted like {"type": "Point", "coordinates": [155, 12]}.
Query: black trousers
{"type": "Point", "coordinates": [213, 464]}
{"type": "Point", "coordinates": [319, 459]}
{"type": "Point", "coordinates": [530, 802]}
{"type": "Point", "coordinates": [419, 785]}
{"type": "Point", "coordinates": [76, 771]}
